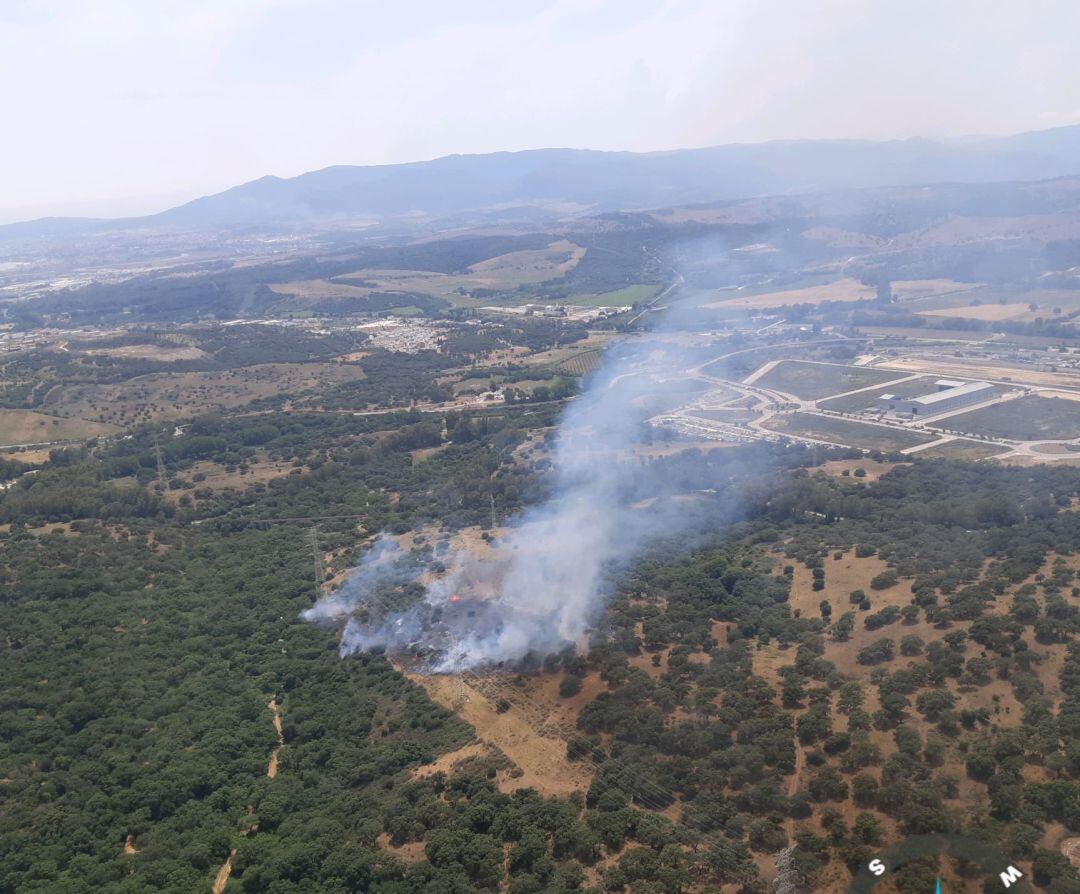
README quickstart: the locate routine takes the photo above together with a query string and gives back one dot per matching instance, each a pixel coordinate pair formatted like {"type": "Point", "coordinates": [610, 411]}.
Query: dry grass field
{"type": "Point", "coordinates": [540, 759]}
{"type": "Point", "coordinates": [990, 312]}
{"type": "Point", "coordinates": [920, 289]}
{"type": "Point", "coordinates": [865, 400]}
{"type": "Point", "coordinates": [212, 476]}
{"type": "Point", "coordinates": [808, 380]}
{"type": "Point", "coordinates": [873, 468]}
{"type": "Point", "coordinates": [28, 455]}
{"type": "Point", "coordinates": [504, 272]}
{"type": "Point", "coordinates": [963, 449]}
{"type": "Point", "coordinates": [178, 395]}
{"type": "Point", "coordinates": [521, 267]}
{"type": "Point", "coordinates": [159, 353]}
{"type": "Point", "coordinates": [976, 368]}
{"type": "Point", "coordinates": [845, 432]}
{"type": "Point", "coordinates": [842, 290]}
{"type": "Point", "coordinates": [1027, 418]}
{"type": "Point", "coordinates": [28, 427]}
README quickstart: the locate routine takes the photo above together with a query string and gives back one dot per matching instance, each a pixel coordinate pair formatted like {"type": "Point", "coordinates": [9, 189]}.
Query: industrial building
{"type": "Point", "coordinates": [950, 395]}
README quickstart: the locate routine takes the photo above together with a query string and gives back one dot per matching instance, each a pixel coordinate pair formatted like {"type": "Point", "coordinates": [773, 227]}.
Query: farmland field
{"type": "Point", "coordinates": [990, 312]}
{"type": "Point", "coordinates": [1029, 418]}
{"type": "Point", "coordinates": [809, 380]}
{"type": "Point", "coordinates": [581, 364]}
{"type": "Point", "coordinates": [920, 290]}
{"type": "Point", "coordinates": [618, 298]}
{"type": "Point", "coordinates": [844, 431]}
{"type": "Point", "coordinates": [842, 290]}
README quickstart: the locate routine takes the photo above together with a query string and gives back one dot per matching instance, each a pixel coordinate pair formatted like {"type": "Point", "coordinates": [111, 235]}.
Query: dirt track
{"type": "Point", "coordinates": [272, 766]}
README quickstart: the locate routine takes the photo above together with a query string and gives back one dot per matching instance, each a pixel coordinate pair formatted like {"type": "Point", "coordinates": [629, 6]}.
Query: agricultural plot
{"type": "Point", "coordinates": [808, 380]}
{"type": "Point", "coordinates": [619, 298]}
{"type": "Point", "coordinates": [846, 432]}
{"type": "Point", "coordinates": [998, 302]}
{"type": "Point", "coordinates": [931, 290]}
{"type": "Point", "coordinates": [847, 289]}
{"type": "Point", "coordinates": [1030, 418]}
{"type": "Point", "coordinates": [581, 364]}
{"type": "Point", "coordinates": [502, 273]}
{"type": "Point", "coordinates": [987, 312]}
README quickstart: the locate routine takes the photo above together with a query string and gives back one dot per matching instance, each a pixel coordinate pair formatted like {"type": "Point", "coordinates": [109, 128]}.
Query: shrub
{"type": "Point", "coordinates": [887, 578]}
{"type": "Point", "coordinates": [570, 686]}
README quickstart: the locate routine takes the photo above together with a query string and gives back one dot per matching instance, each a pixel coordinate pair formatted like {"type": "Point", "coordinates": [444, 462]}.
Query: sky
{"type": "Point", "coordinates": [130, 106]}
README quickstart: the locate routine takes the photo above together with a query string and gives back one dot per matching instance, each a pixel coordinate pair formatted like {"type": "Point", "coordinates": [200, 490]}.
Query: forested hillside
{"type": "Point", "coordinates": [738, 697]}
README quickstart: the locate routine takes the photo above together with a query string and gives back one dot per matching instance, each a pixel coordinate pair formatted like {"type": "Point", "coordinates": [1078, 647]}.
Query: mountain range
{"type": "Point", "coordinates": [565, 180]}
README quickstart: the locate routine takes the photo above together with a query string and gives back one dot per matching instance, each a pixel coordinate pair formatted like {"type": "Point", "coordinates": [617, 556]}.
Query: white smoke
{"type": "Point", "coordinates": [385, 563]}
{"type": "Point", "coordinates": [547, 576]}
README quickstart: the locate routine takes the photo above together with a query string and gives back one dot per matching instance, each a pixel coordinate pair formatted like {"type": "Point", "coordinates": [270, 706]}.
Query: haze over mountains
{"type": "Point", "coordinates": [568, 179]}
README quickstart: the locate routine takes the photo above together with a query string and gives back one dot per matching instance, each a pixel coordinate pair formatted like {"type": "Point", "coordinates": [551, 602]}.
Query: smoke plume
{"type": "Point", "coordinates": [545, 582]}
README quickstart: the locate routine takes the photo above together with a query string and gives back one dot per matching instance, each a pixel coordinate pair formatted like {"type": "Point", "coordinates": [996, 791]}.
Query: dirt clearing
{"type": "Point", "coordinates": [272, 766]}
{"type": "Point", "coordinates": [541, 759]}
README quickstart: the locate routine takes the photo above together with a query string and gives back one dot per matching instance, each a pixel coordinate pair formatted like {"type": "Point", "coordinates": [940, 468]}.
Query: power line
{"type": "Point", "coordinates": [320, 569]}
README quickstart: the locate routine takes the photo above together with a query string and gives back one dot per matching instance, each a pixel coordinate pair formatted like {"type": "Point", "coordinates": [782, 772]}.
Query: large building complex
{"type": "Point", "coordinates": [950, 395]}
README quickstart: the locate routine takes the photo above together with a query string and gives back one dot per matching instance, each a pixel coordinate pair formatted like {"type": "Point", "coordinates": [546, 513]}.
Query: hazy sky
{"type": "Point", "coordinates": [122, 106]}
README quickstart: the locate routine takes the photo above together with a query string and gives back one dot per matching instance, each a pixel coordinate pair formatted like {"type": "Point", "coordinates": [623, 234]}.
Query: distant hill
{"type": "Point", "coordinates": [601, 181]}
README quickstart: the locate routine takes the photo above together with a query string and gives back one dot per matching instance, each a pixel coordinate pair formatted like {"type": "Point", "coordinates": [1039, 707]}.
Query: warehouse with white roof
{"type": "Point", "coordinates": [950, 395]}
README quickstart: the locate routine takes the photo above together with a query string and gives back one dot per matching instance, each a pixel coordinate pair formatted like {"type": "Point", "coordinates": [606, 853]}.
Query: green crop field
{"type": "Point", "coordinates": [808, 380]}
{"type": "Point", "coordinates": [846, 432]}
{"type": "Point", "coordinates": [1029, 418]}
{"type": "Point", "coordinates": [581, 364]}
{"type": "Point", "coordinates": [618, 298]}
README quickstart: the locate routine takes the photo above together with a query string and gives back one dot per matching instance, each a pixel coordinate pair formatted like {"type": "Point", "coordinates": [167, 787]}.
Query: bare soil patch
{"type": "Point", "coordinates": [873, 468]}
{"type": "Point", "coordinates": [272, 766]}
{"type": "Point", "coordinates": [541, 759]}
{"type": "Point", "coordinates": [410, 851]}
